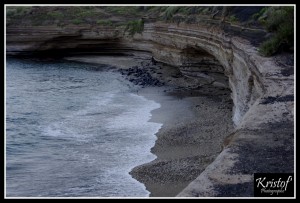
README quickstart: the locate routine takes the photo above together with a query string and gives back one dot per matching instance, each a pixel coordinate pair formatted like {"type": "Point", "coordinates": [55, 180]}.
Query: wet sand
{"type": "Point", "coordinates": [196, 118]}
{"type": "Point", "coordinates": [194, 127]}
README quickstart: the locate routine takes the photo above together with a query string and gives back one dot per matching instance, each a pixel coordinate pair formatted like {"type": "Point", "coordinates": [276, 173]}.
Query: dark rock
{"type": "Point", "coordinates": [272, 100]}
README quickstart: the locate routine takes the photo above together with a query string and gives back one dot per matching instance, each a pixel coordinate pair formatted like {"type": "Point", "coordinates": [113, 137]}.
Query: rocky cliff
{"type": "Point", "coordinates": [203, 51]}
{"type": "Point", "coordinates": [215, 53]}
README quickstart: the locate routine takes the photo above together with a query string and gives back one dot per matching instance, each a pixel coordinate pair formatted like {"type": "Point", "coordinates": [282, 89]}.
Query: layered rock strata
{"type": "Point", "coordinates": [262, 88]}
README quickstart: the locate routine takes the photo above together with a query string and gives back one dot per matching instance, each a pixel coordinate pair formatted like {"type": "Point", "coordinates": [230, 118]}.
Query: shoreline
{"type": "Point", "coordinates": [220, 76]}
{"type": "Point", "coordinates": [188, 140]}
{"type": "Point", "coordinates": [186, 143]}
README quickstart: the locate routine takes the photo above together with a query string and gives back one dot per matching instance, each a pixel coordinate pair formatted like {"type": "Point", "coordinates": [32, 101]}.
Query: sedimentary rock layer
{"type": "Point", "coordinates": [262, 88]}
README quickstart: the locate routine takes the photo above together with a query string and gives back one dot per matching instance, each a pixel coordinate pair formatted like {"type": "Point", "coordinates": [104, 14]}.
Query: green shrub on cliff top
{"type": "Point", "coordinates": [170, 11]}
{"type": "Point", "coordinates": [105, 22]}
{"type": "Point", "coordinates": [77, 21]}
{"type": "Point", "coordinates": [280, 21]}
{"type": "Point", "coordinates": [123, 10]}
{"type": "Point", "coordinates": [56, 15]}
{"type": "Point", "coordinates": [233, 19]}
{"type": "Point", "coordinates": [269, 47]}
{"type": "Point", "coordinates": [135, 26]}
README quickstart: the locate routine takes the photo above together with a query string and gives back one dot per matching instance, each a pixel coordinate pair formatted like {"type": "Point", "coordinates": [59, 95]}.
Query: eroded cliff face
{"type": "Point", "coordinates": [262, 88]}
{"type": "Point", "coordinates": [208, 53]}
{"type": "Point", "coordinates": [204, 51]}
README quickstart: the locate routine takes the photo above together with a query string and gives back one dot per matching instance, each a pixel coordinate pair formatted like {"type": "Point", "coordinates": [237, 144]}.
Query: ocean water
{"type": "Point", "coordinates": [74, 130]}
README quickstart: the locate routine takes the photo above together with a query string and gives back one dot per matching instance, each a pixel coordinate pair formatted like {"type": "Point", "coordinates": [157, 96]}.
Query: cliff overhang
{"type": "Point", "coordinates": [262, 88]}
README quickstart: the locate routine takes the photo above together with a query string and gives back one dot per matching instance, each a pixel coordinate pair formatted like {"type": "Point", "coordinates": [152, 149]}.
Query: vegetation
{"type": "Point", "coordinates": [17, 11]}
{"type": "Point", "coordinates": [55, 15]}
{"type": "Point", "coordinates": [105, 22]}
{"type": "Point", "coordinates": [135, 26]}
{"type": "Point", "coordinates": [233, 19]}
{"type": "Point", "coordinates": [279, 21]}
{"type": "Point", "coordinates": [259, 15]}
{"type": "Point", "coordinates": [156, 9]}
{"type": "Point", "coordinates": [77, 21]}
{"type": "Point", "coordinates": [123, 10]}
{"type": "Point", "coordinates": [36, 15]}
{"type": "Point", "coordinates": [170, 11]}
{"type": "Point", "coordinates": [103, 15]}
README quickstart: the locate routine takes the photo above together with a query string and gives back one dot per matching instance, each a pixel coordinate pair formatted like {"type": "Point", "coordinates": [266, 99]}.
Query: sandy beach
{"type": "Point", "coordinates": [187, 101]}
{"type": "Point", "coordinates": [194, 127]}
{"type": "Point", "coordinates": [195, 122]}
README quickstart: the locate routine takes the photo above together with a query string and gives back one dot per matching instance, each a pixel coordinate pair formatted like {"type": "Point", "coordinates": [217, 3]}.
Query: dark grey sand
{"type": "Point", "coordinates": [191, 137]}
{"type": "Point", "coordinates": [196, 118]}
